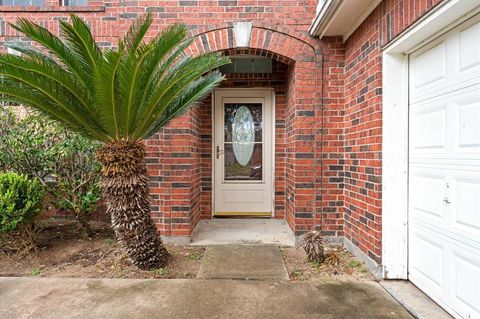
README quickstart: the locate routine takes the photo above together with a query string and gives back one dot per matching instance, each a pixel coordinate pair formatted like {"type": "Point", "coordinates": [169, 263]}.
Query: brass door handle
{"type": "Point", "coordinates": [219, 151]}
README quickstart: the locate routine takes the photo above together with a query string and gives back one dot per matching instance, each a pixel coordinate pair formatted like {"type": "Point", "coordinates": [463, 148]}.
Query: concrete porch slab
{"type": "Point", "coordinates": [243, 231]}
{"type": "Point", "coordinates": [243, 262]}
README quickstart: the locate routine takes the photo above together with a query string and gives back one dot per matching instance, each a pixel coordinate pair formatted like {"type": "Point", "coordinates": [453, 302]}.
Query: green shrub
{"type": "Point", "coordinates": [26, 144]}
{"type": "Point", "coordinates": [77, 174]}
{"type": "Point", "coordinates": [20, 201]}
{"type": "Point", "coordinates": [63, 162]}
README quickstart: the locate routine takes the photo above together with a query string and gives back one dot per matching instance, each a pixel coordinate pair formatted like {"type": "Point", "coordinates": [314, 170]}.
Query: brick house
{"type": "Point", "coordinates": [357, 117]}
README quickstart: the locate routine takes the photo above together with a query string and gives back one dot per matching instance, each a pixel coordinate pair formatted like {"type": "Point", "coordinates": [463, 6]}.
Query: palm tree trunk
{"type": "Point", "coordinates": [125, 189]}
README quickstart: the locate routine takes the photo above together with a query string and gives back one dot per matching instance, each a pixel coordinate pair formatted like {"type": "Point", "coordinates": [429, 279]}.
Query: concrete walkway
{"type": "Point", "coordinates": [234, 281]}
{"type": "Point", "coordinates": [60, 298]}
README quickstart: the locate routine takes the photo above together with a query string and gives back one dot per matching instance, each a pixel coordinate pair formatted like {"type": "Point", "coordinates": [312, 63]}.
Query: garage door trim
{"type": "Point", "coordinates": [395, 128]}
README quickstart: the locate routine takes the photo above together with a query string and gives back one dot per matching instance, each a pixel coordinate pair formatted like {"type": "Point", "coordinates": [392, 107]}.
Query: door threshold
{"type": "Point", "coordinates": [242, 217]}
{"type": "Point", "coordinates": [243, 214]}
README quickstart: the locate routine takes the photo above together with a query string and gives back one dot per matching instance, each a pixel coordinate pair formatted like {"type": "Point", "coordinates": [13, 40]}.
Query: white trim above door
{"type": "Point", "coordinates": [243, 152]}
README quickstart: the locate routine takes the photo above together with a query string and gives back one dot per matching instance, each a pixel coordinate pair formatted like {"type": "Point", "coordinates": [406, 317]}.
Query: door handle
{"type": "Point", "coordinates": [446, 200]}
{"type": "Point", "coordinates": [219, 151]}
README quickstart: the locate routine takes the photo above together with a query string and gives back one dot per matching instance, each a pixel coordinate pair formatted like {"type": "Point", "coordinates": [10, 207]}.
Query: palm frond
{"type": "Point", "coordinates": [135, 79]}
{"type": "Point", "coordinates": [169, 45]}
{"type": "Point", "coordinates": [174, 84]}
{"type": "Point", "coordinates": [48, 70]}
{"type": "Point", "coordinates": [28, 95]}
{"type": "Point", "coordinates": [55, 94]}
{"type": "Point", "coordinates": [81, 41]}
{"type": "Point", "coordinates": [194, 93]}
{"type": "Point", "coordinates": [106, 92]}
{"type": "Point", "coordinates": [53, 44]}
{"type": "Point", "coordinates": [129, 85]}
{"type": "Point", "coordinates": [119, 94]}
{"type": "Point", "coordinates": [134, 36]}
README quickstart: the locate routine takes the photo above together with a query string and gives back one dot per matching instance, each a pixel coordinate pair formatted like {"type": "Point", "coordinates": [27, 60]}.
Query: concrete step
{"type": "Point", "coordinates": [249, 262]}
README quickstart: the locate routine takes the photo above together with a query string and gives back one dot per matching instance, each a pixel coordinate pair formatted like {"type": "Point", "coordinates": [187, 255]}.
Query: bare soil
{"type": "Point", "coordinates": [340, 265]}
{"type": "Point", "coordinates": [63, 251]}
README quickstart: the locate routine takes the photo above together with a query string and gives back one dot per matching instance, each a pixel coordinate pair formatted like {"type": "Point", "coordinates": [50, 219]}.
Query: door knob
{"type": "Point", "coordinates": [219, 151]}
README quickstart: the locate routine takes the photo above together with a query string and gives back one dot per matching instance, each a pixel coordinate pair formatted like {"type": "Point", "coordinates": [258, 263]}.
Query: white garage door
{"type": "Point", "coordinates": [444, 170]}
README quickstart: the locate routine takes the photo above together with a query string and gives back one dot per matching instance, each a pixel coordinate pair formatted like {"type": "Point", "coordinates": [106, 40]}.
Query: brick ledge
{"type": "Point", "coordinates": [52, 9]}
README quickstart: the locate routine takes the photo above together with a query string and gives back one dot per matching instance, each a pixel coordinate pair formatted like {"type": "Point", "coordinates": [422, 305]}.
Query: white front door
{"type": "Point", "coordinates": [444, 170]}
{"type": "Point", "coordinates": [243, 152]}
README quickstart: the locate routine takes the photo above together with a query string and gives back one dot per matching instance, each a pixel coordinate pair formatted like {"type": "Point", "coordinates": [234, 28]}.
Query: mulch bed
{"type": "Point", "coordinates": [63, 251]}
{"type": "Point", "coordinates": [340, 265]}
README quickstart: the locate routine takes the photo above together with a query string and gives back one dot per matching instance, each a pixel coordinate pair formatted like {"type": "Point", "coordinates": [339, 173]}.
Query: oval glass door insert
{"type": "Point", "coordinates": [243, 135]}
{"type": "Point", "coordinates": [243, 142]}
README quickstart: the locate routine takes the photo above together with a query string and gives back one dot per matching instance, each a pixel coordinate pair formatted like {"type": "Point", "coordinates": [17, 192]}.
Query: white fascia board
{"type": "Point", "coordinates": [324, 16]}
{"type": "Point", "coordinates": [350, 13]}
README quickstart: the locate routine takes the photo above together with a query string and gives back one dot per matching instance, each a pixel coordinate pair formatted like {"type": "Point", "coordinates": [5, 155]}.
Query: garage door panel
{"type": "Point", "coordinates": [425, 187]}
{"type": "Point", "coordinates": [445, 268]}
{"type": "Point", "coordinates": [467, 282]}
{"type": "Point", "coordinates": [429, 68]}
{"type": "Point", "coordinates": [468, 126]}
{"type": "Point", "coordinates": [446, 200]}
{"type": "Point", "coordinates": [453, 63]}
{"type": "Point", "coordinates": [427, 259]}
{"type": "Point", "coordinates": [469, 48]}
{"type": "Point", "coordinates": [429, 128]}
{"type": "Point", "coordinates": [446, 128]}
{"type": "Point", "coordinates": [467, 211]}
{"type": "Point", "coordinates": [444, 170]}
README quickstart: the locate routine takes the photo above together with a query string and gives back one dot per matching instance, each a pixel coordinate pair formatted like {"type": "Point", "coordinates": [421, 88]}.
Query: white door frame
{"type": "Point", "coordinates": [233, 90]}
{"type": "Point", "coordinates": [395, 128]}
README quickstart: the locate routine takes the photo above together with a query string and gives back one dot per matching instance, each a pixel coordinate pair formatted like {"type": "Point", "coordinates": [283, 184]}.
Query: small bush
{"type": "Point", "coordinates": [77, 175]}
{"type": "Point", "coordinates": [20, 205]}
{"type": "Point", "coordinates": [20, 200]}
{"type": "Point", "coordinates": [26, 144]}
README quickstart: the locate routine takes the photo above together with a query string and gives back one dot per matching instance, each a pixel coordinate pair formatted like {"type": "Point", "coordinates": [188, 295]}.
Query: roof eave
{"type": "Point", "coordinates": [351, 13]}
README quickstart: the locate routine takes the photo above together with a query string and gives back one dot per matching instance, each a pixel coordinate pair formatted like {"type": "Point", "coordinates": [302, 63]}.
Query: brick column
{"type": "Point", "coordinates": [174, 167]}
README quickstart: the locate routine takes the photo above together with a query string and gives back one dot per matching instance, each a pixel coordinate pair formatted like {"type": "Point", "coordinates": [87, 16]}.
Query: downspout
{"type": "Point", "coordinates": [322, 132]}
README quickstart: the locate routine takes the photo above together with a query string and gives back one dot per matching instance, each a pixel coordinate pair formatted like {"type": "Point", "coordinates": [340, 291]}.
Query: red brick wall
{"type": "Point", "coordinates": [363, 118]}
{"type": "Point", "coordinates": [178, 157]}
{"type": "Point", "coordinates": [328, 108]}
{"type": "Point", "coordinates": [301, 53]}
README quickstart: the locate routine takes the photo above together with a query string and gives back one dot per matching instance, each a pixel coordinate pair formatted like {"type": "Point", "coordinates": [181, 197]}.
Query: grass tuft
{"type": "Point", "coordinates": [36, 272]}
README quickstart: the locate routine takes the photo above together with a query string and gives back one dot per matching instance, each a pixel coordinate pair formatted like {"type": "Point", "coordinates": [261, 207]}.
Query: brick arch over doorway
{"type": "Point", "coordinates": [180, 159]}
{"type": "Point", "coordinates": [282, 42]}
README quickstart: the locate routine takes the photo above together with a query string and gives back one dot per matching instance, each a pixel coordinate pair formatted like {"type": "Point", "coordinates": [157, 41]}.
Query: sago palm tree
{"type": "Point", "coordinates": [118, 97]}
